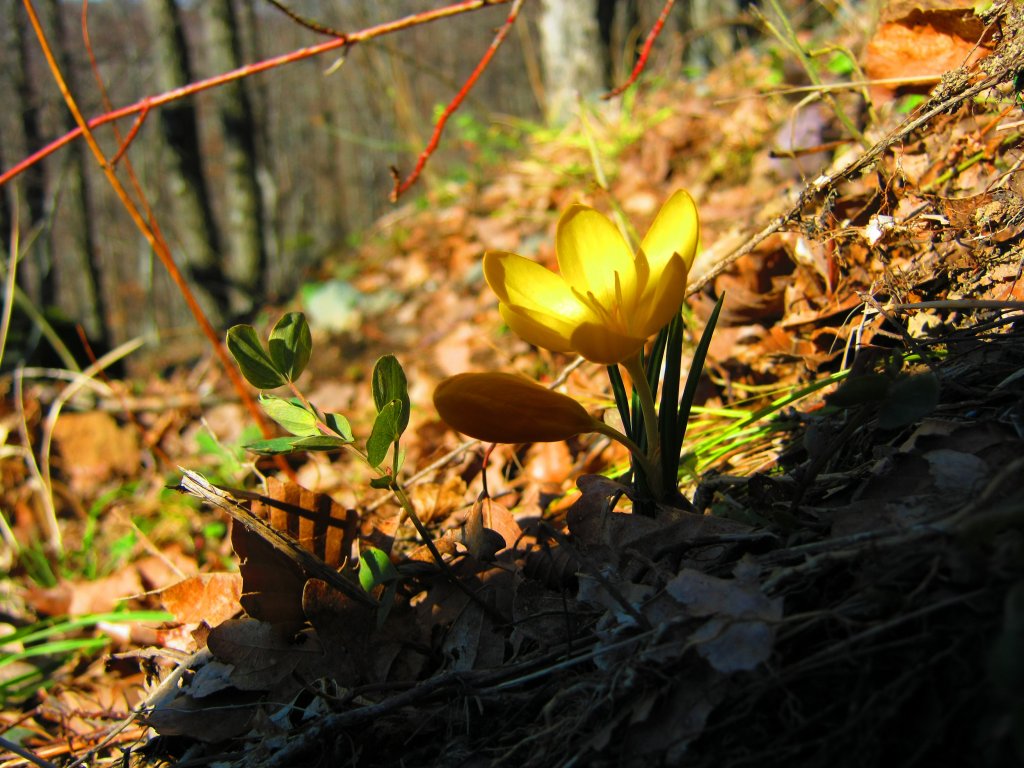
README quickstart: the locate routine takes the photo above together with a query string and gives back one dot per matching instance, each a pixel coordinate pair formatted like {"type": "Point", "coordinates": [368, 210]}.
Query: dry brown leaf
{"type": "Point", "coordinates": [474, 641]}
{"type": "Point", "coordinates": [369, 654]}
{"type": "Point", "coordinates": [187, 716]}
{"type": "Point", "coordinates": [77, 598]}
{"type": "Point", "coordinates": [314, 520]}
{"type": "Point", "coordinates": [436, 501]}
{"type": "Point", "coordinates": [209, 597]}
{"type": "Point", "coordinates": [740, 631]}
{"type": "Point", "coordinates": [271, 583]}
{"type": "Point", "coordinates": [922, 38]}
{"type": "Point", "coordinates": [94, 448]}
{"type": "Point", "coordinates": [262, 654]}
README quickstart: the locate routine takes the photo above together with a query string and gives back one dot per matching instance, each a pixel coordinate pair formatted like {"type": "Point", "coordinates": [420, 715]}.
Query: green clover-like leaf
{"type": "Point", "coordinates": [320, 443]}
{"type": "Point", "coordinates": [256, 364]}
{"type": "Point", "coordinates": [389, 384]}
{"type": "Point", "coordinates": [291, 345]}
{"type": "Point", "coordinates": [375, 568]}
{"type": "Point", "coordinates": [290, 415]}
{"type": "Point", "coordinates": [339, 425]}
{"type": "Point", "coordinates": [274, 446]}
{"type": "Point", "coordinates": [384, 433]}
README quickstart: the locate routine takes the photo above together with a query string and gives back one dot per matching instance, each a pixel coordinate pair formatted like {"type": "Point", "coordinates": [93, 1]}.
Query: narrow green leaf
{"type": "Point", "coordinates": [375, 568]}
{"type": "Point", "coordinates": [256, 365]}
{"type": "Point", "coordinates": [384, 433]}
{"type": "Point", "coordinates": [623, 407]}
{"type": "Point", "coordinates": [273, 446]}
{"type": "Point", "coordinates": [290, 415]}
{"type": "Point", "coordinates": [693, 377]}
{"type": "Point", "coordinates": [389, 384]}
{"type": "Point", "coordinates": [339, 425]}
{"type": "Point", "coordinates": [652, 364]}
{"type": "Point", "coordinates": [291, 345]}
{"type": "Point", "coordinates": [320, 443]}
{"type": "Point", "coordinates": [381, 483]}
{"type": "Point", "coordinates": [621, 398]}
{"type": "Point", "coordinates": [668, 425]}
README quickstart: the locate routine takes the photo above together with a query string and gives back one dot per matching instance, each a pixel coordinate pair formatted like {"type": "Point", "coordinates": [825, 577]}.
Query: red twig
{"type": "Point", "coordinates": [250, 69]}
{"type": "Point", "coordinates": [105, 97]}
{"type": "Point", "coordinates": [646, 52]}
{"type": "Point", "coordinates": [454, 104]}
{"type": "Point", "coordinates": [127, 141]}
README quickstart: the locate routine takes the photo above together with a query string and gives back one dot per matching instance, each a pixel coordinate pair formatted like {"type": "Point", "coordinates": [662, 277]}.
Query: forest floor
{"type": "Point", "coordinates": [846, 587]}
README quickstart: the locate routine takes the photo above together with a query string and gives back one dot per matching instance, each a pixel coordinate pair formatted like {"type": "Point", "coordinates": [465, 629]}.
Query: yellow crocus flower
{"type": "Point", "coordinates": [607, 301]}
{"type": "Point", "coordinates": [508, 408]}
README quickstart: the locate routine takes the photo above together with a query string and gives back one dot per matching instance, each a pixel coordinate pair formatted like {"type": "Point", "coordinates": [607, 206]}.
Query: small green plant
{"type": "Point", "coordinates": [279, 364]}
{"type": "Point", "coordinates": [227, 462]}
{"type": "Point", "coordinates": [34, 652]}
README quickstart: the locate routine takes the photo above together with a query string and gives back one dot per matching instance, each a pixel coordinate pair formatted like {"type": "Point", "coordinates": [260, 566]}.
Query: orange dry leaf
{"type": "Point", "coordinates": [924, 38]}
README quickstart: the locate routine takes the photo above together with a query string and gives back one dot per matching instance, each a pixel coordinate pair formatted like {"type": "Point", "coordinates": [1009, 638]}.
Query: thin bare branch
{"type": "Point", "coordinates": [454, 104]}
{"type": "Point", "coordinates": [645, 52]}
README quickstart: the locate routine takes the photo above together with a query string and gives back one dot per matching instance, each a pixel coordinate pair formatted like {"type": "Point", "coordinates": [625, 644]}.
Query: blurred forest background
{"type": "Point", "coordinates": [258, 181]}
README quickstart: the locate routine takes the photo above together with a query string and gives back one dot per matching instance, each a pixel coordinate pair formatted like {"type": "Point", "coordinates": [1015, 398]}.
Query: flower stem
{"type": "Point", "coordinates": [652, 463]}
{"type": "Point", "coordinates": [608, 431]}
{"type": "Point", "coordinates": [634, 367]}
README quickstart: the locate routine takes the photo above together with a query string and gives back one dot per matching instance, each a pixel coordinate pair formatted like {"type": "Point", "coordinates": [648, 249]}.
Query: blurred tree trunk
{"type": "Point", "coordinates": [36, 274]}
{"type": "Point", "coordinates": [711, 40]}
{"type": "Point", "coordinates": [77, 267]}
{"type": "Point", "coordinates": [246, 255]}
{"type": "Point", "coordinates": [621, 38]}
{"type": "Point", "coordinates": [6, 208]}
{"type": "Point", "coordinates": [185, 175]}
{"type": "Point", "coordinates": [571, 53]}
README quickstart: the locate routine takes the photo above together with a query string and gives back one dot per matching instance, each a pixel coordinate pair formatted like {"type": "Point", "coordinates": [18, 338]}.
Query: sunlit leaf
{"type": "Point", "coordinates": [339, 425]}
{"type": "Point", "coordinates": [292, 416]}
{"type": "Point", "coordinates": [320, 443]}
{"type": "Point", "coordinates": [389, 384]}
{"type": "Point", "coordinates": [385, 432]}
{"type": "Point", "coordinates": [291, 344]}
{"type": "Point", "coordinates": [273, 446]}
{"type": "Point", "coordinates": [255, 363]}
{"type": "Point", "coordinates": [375, 568]}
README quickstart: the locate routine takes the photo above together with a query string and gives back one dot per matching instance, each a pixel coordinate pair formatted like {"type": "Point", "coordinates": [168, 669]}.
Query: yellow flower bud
{"type": "Point", "coordinates": [508, 408]}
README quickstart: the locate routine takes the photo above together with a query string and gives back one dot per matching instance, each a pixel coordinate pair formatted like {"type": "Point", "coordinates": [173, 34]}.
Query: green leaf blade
{"type": "Point", "coordinates": [339, 425]}
{"type": "Point", "coordinates": [375, 569]}
{"type": "Point", "coordinates": [291, 416]}
{"type": "Point", "coordinates": [291, 345]}
{"type": "Point", "coordinates": [389, 384]}
{"type": "Point", "coordinates": [273, 447]}
{"type": "Point", "coordinates": [385, 433]}
{"type": "Point", "coordinates": [320, 443]}
{"type": "Point", "coordinates": [257, 366]}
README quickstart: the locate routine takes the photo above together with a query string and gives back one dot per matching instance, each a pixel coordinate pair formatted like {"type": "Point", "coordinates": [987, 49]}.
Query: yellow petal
{"type": "Point", "coordinates": [508, 408]}
{"type": "Point", "coordinates": [593, 257]}
{"type": "Point", "coordinates": [676, 229]}
{"type": "Point", "coordinates": [539, 329]}
{"type": "Point", "coordinates": [527, 286]}
{"type": "Point", "coordinates": [600, 344]}
{"type": "Point", "coordinates": [663, 299]}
